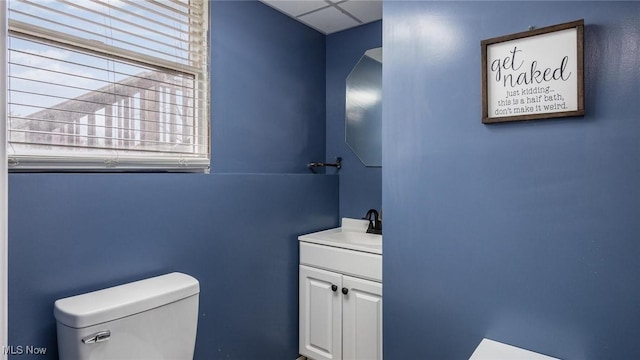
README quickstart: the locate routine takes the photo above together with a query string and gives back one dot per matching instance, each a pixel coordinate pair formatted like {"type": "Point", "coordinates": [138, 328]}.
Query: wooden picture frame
{"type": "Point", "coordinates": [536, 74]}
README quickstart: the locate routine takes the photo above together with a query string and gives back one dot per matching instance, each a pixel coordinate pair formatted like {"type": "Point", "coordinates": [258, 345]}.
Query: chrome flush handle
{"type": "Point", "coordinates": [97, 337]}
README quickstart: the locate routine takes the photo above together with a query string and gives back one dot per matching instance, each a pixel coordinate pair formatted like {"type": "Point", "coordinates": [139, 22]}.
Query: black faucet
{"type": "Point", "coordinates": [375, 224]}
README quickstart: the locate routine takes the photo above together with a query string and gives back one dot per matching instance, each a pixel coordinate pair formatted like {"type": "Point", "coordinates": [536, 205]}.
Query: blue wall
{"type": "Point", "coordinates": [525, 233]}
{"type": "Point", "coordinates": [360, 186]}
{"type": "Point", "coordinates": [268, 90]}
{"type": "Point", "coordinates": [235, 230]}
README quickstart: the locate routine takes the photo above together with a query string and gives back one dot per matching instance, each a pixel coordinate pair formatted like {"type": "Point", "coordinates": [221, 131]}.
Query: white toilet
{"type": "Point", "coordinates": [154, 318]}
{"type": "Point", "coordinates": [493, 350]}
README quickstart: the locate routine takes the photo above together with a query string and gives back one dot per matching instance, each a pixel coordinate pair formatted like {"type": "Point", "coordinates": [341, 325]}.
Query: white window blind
{"type": "Point", "coordinates": [108, 85]}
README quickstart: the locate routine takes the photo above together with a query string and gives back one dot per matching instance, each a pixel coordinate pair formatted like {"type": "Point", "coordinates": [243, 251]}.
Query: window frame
{"type": "Point", "coordinates": [139, 162]}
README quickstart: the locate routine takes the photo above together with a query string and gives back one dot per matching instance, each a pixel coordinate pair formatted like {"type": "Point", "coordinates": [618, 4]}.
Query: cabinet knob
{"type": "Point", "coordinates": [334, 287]}
{"type": "Point", "coordinates": [345, 291]}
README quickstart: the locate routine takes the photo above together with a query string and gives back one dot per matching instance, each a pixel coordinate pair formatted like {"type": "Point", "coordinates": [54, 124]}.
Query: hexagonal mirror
{"type": "Point", "coordinates": [363, 112]}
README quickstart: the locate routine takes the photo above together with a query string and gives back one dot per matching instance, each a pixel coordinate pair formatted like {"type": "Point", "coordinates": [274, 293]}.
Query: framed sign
{"type": "Point", "coordinates": [536, 74]}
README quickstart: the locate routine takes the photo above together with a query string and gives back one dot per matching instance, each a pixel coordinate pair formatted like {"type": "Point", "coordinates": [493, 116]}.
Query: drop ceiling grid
{"type": "Point", "coordinates": [330, 16]}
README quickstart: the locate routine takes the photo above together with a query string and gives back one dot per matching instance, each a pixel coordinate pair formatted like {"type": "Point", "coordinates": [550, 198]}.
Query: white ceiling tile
{"type": "Point", "coordinates": [295, 8]}
{"type": "Point", "coordinates": [328, 20]}
{"type": "Point", "coordinates": [329, 16]}
{"type": "Point", "coordinates": [365, 10]}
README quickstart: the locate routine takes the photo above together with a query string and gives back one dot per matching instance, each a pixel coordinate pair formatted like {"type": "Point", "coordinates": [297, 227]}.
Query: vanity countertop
{"type": "Point", "coordinates": [351, 235]}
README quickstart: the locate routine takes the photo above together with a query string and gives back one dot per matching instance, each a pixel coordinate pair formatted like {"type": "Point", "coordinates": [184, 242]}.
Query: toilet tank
{"type": "Point", "coordinates": [155, 318]}
{"type": "Point", "coordinates": [493, 350]}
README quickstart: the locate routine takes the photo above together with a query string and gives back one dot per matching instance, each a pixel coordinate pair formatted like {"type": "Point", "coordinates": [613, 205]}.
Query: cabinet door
{"type": "Point", "coordinates": [361, 319]}
{"type": "Point", "coordinates": [320, 314]}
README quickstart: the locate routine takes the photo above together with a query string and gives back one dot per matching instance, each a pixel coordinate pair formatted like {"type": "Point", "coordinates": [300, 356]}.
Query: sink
{"type": "Point", "coordinates": [357, 237]}
{"type": "Point", "coordinates": [352, 235]}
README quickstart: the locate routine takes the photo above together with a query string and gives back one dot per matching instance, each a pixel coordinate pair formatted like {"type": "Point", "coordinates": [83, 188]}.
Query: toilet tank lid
{"type": "Point", "coordinates": [493, 350]}
{"type": "Point", "coordinates": [124, 300]}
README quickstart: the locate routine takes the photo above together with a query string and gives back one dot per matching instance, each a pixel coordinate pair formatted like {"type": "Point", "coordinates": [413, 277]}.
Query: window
{"type": "Point", "coordinates": [108, 85]}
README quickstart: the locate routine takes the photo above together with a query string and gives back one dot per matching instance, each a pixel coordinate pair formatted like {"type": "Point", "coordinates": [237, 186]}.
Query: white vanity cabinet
{"type": "Point", "coordinates": [340, 303]}
{"type": "Point", "coordinates": [361, 319]}
{"type": "Point", "coordinates": [320, 313]}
